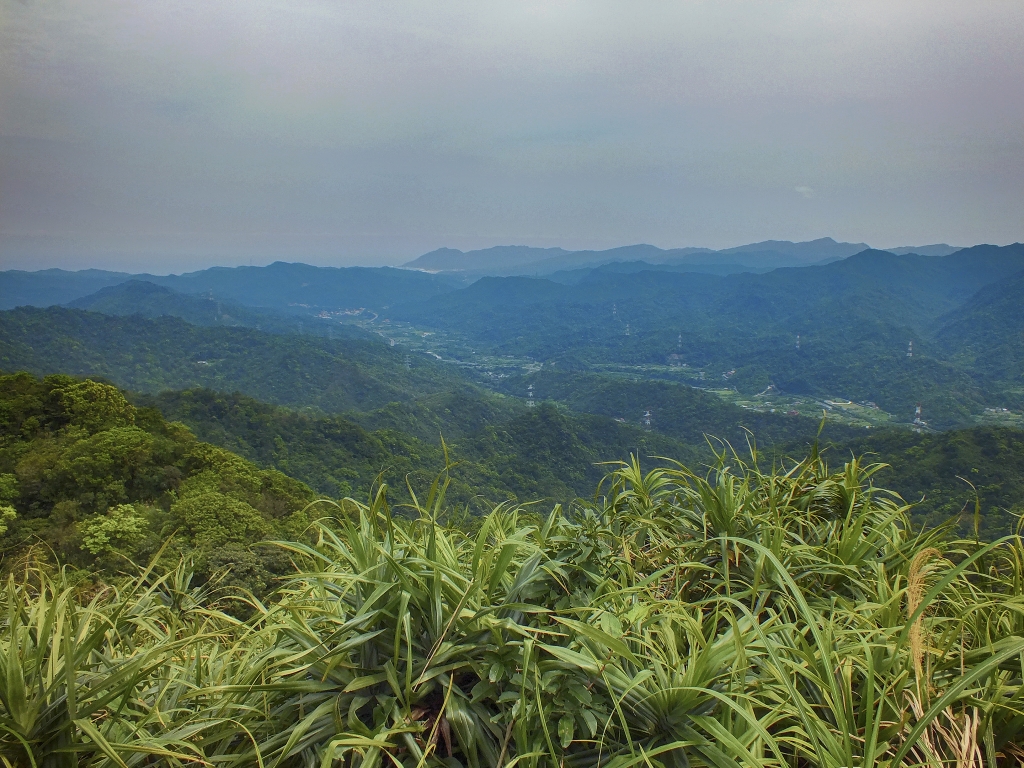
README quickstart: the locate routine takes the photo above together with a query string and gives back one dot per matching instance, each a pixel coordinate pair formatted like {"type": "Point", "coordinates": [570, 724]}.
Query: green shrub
{"type": "Point", "coordinates": [786, 617]}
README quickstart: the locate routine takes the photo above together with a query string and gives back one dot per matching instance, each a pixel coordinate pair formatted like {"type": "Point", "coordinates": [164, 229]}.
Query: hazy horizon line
{"type": "Point", "coordinates": [200, 262]}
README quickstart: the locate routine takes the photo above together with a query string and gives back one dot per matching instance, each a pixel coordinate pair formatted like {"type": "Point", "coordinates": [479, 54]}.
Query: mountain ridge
{"type": "Point", "coordinates": [525, 260]}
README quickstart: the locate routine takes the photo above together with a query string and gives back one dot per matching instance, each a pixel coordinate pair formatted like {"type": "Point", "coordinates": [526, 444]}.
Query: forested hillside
{"type": "Point", "coordinates": [89, 479]}
{"type": "Point", "coordinates": [610, 372]}
{"type": "Point", "coordinates": [528, 454]}
{"type": "Point", "coordinates": [332, 375]}
{"type": "Point", "coordinates": [986, 334]}
{"type": "Point", "coordinates": [500, 451]}
{"type": "Point", "coordinates": [950, 475]}
{"type": "Point", "coordinates": [359, 413]}
{"type": "Point", "coordinates": [145, 299]}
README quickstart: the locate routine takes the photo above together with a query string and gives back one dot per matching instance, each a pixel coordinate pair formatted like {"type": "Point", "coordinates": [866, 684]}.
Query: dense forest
{"type": "Point", "coordinates": [499, 453]}
{"type": "Point", "coordinates": [332, 375]}
{"type": "Point", "coordinates": [99, 483]}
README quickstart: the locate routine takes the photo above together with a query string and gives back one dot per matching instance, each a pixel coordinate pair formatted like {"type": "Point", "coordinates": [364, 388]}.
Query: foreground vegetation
{"type": "Point", "coordinates": [755, 617]}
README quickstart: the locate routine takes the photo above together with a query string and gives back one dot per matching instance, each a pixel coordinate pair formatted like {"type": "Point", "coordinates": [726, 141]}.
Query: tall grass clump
{"type": "Point", "coordinates": [742, 617]}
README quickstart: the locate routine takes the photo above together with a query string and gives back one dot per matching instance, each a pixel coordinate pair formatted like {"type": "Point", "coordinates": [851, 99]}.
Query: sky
{"type": "Point", "coordinates": [169, 135]}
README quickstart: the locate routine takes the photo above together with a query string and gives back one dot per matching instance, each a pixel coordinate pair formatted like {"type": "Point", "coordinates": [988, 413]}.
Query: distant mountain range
{"type": "Point", "coordinates": [855, 314]}
{"type": "Point", "coordinates": [146, 299]}
{"type": "Point", "coordinates": [854, 317]}
{"type": "Point", "coordinates": [697, 337]}
{"type": "Point", "coordinates": [938, 249]}
{"type": "Point", "coordinates": [511, 260]}
{"type": "Point", "coordinates": [281, 286]}
{"type": "Point", "coordinates": [297, 288]}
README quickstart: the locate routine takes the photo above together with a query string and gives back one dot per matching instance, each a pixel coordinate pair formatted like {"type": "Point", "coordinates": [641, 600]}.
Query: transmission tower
{"type": "Point", "coordinates": [529, 396]}
{"type": "Point", "coordinates": [919, 423]}
{"type": "Point", "coordinates": [408, 363]}
{"type": "Point", "coordinates": [910, 349]}
{"type": "Point", "coordinates": [627, 329]}
{"type": "Point", "coordinates": [798, 341]}
{"type": "Point", "coordinates": [647, 419]}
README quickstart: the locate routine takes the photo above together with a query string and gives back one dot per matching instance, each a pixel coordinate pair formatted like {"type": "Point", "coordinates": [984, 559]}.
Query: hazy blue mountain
{"type": "Point", "coordinates": [499, 258]}
{"type": "Point", "coordinates": [140, 297]}
{"type": "Point", "coordinates": [296, 288]}
{"type": "Point", "coordinates": [301, 287]}
{"type": "Point", "coordinates": [699, 259]}
{"type": "Point", "coordinates": [523, 260]}
{"type": "Point", "coordinates": [591, 259]}
{"type": "Point", "coordinates": [52, 286]}
{"type": "Point", "coordinates": [871, 286]}
{"type": "Point", "coordinates": [938, 249]}
{"type": "Point", "coordinates": [818, 251]}
{"type": "Point", "coordinates": [971, 268]}
{"type": "Point", "coordinates": [574, 276]}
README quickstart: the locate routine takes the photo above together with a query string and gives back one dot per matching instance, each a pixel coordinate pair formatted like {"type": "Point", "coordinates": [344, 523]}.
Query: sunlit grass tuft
{"type": "Point", "coordinates": [744, 616]}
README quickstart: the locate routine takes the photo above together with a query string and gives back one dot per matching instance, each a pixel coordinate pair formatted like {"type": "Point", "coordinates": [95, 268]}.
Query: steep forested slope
{"type": "Point", "coordinates": [500, 452]}
{"type": "Point", "coordinates": [944, 474]}
{"type": "Point", "coordinates": [94, 480]}
{"type": "Point", "coordinates": [167, 353]}
{"type": "Point", "coordinates": [986, 334]}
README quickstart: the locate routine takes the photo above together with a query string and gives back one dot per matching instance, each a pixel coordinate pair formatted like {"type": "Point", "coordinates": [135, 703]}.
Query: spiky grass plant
{"type": "Point", "coordinates": [742, 617]}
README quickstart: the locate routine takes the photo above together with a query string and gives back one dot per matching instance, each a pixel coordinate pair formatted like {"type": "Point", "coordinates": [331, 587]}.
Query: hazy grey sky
{"type": "Point", "coordinates": [173, 134]}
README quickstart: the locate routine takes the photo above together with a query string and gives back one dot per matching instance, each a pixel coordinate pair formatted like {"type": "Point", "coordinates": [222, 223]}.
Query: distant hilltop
{"type": "Point", "coordinates": [508, 260]}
